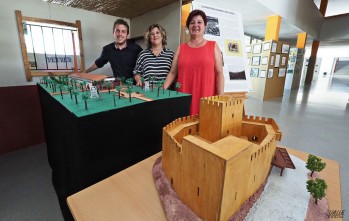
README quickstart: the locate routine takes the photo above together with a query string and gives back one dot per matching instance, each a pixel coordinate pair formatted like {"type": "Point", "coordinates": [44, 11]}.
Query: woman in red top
{"type": "Point", "coordinates": [197, 64]}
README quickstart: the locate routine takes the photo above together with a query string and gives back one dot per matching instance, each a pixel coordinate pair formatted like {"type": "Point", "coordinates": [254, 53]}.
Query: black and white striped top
{"type": "Point", "coordinates": [148, 64]}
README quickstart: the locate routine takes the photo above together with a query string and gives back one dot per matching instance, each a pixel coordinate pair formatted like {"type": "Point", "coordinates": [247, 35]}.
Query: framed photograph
{"type": "Point", "coordinates": [270, 73]}
{"type": "Point", "coordinates": [266, 46]}
{"type": "Point", "coordinates": [283, 60]}
{"type": "Point", "coordinates": [262, 74]}
{"type": "Point", "coordinates": [265, 60]}
{"type": "Point", "coordinates": [248, 49]}
{"type": "Point", "coordinates": [256, 60]}
{"type": "Point", "coordinates": [254, 72]}
{"type": "Point", "coordinates": [274, 46]}
{"type": "Point", "coordinates": [236, 72]}
{"type": "Point", "coordinates": [282, 72]}
{"type": "Point", "coordinates": [285, 48]}
{"type": "Point", "coordinates": [272, 60]}
{"type": "Point", "coordinates": [277, 60]}
{"type": "Point", "coordinates": [257, 48]}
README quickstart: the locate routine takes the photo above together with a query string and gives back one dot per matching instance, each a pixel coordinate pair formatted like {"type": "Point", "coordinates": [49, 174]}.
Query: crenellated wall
{"type": "Point", "coordinates": [172, 137]}
{"type": "Point", "coordinates": [264, 120]}
{"type": "Point", "coordinates": [215, 177]}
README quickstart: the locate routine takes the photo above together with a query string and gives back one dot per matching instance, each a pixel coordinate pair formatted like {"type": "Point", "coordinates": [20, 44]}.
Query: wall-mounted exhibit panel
{"type": "Point", "coordinates": [268, 67]}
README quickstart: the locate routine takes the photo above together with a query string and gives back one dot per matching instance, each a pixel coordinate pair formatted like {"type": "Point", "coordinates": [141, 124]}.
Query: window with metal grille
{"type": "Point", "coordinates": [50, 47]}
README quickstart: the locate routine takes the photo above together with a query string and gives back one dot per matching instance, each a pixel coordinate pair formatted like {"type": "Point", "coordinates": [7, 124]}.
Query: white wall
{"type": "Point", "coordinates": [327, 54]}
{"type": "Point", "coordinates": [168, 17]}
{"type": "Point", "coordinates": [96, 32]}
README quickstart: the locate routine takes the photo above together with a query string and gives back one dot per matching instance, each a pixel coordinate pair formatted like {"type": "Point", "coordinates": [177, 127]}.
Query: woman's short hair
{"type": "Point", "coordinates": [196, 13]}
{"type": "Point", "coordinates": [162, 31]}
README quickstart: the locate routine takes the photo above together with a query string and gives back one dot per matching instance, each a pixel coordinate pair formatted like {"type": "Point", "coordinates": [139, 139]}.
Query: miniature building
{"type": "Point", "coordinates": [91, 79]}
{"type": "Point", "coordinates": [217, 160]}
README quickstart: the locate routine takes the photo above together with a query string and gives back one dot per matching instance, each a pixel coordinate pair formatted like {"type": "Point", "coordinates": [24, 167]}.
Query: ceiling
{"type": "Point", "coordinates": [120, 8]}
{"type": "Point", "coordinates": [254, 16]}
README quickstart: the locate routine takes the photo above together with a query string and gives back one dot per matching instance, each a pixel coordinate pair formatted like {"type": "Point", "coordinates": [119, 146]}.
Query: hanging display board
{"type": "Point", "coordinates": [226, 28]}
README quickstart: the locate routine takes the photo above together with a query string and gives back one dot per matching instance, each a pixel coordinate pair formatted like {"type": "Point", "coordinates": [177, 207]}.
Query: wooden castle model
{"type": "Point", "coordinates": [217, 160]}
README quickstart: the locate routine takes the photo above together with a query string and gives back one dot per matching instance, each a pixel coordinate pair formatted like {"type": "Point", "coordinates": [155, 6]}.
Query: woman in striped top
{"type": "Point", "coordinates": [153, 63]}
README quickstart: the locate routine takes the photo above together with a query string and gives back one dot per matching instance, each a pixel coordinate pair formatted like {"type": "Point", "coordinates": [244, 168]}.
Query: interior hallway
{"type": "Point", "coordinates": [314, 120]}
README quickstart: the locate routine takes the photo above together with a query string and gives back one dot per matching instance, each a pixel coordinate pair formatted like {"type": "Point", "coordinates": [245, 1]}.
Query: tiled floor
{"type": "Point", "coordinates": [314, 120]}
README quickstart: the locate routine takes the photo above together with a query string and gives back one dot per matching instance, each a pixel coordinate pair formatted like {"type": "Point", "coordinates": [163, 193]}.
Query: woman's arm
{"type": "Point", "coordinates": [138, 79]}
{"type": "Point", "coordinates": [173, 72]}
{"type": "Point", "coordinates": [219, 70]}
{"type": "Point", "coordinates": [138, 70]}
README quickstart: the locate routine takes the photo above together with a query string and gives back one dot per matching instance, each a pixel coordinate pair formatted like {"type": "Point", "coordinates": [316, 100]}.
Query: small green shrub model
{"type": "Point", "coordinates": [317, 188]}
{"type": "Point", "coordinates": [314, 163]}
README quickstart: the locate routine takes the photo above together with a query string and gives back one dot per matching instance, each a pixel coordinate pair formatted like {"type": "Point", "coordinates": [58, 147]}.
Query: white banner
{"type": "Point", "coordinates": [226, 28]}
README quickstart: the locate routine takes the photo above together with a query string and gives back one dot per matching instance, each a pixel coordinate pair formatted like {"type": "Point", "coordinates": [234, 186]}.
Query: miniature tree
{"type": "Point", "coordinates": [85, 83]}
{"type": "Point", "coordinates": [45, 80]}
{"type": "Point", "coordinates": [53, 83]}
{"type": "Point", "coordinates": [129, 82]}
{"type": "Point", "coordinates": [75, 83]}
{"type": "Point", "coordinates": [158, 85]}
{"type": "Point", "coordinates": [114, 100]}
{"type": "Point", "coordinates": [143, 82]}
{"type": "Point", "coordinates": [314, 163]}
{"type": "Point", "coordinates": [118, 89]}
{"type": "Point", "coordinates": [85, 97]}
{"type": "Point", "coordinates": [108, 85]}
{"type": "Point", "coordinates": [317, 188]}
{"type": "Point", "coordinates": [65, 79]}
{"type": "Point", "coordinates": [70, 81]}
{"type": "Point", "coordinates": [82, 86]}
{"type": "Point", "coordinates": [129, 91]}
{"type": "Point", "coordinates": [178, 85]}
{"type": "Point", "coordinates": [100, 85]}
{"type": "Point", "coordinates": [48, 82]}
{"type": "Point", "coordinates": [75, 93]}
{"type": "Point", "coordinates": [61, 88]}
{"type": "Point", "coordinates": [152, 80]}
{"type": "Point", "coordinates": [70, 88]}
{"type": "Point", "coordinates": [162, 85]}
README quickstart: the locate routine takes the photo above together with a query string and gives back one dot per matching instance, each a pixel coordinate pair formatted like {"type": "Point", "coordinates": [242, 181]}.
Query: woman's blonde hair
{"type": "Point", "coordinates": [162, 31]}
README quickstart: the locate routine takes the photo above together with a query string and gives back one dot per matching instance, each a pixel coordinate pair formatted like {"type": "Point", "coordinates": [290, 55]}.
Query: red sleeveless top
{"type": "Point", "coordinates": [196, 73]}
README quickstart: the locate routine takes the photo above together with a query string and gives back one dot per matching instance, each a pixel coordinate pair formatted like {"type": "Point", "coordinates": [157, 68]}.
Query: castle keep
{"type": "Point", "coordinates": [217, 160]}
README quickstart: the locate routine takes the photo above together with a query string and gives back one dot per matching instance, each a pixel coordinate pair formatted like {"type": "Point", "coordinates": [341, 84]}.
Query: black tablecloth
{"type": "Point", "coordinates": [85, 150]}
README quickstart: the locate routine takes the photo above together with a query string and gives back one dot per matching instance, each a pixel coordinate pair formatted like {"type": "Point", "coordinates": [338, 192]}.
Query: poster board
{"type": "Point", "coordinates": [226, 28]}
{"type": "Point", "coordinates": [272, 64]}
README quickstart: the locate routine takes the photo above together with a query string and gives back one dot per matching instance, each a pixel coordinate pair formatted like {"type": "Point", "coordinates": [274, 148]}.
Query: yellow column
{"type": "Point", "coordinates": [301, 40]}
{"type": "Point", "coordinates": [186, 9]}
{"type": "Point", "coordinates": [273, 28]}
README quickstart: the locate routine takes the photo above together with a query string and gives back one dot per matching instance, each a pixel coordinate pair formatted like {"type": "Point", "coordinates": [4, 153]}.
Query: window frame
{"type": "Point", "coordinates": [30, 74]}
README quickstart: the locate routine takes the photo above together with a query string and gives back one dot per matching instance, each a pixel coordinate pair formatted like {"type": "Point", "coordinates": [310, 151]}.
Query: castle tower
{"type": "Point", "coordinates": [217, 162]}
{"type": "Point", "coordinates": [220, 116]}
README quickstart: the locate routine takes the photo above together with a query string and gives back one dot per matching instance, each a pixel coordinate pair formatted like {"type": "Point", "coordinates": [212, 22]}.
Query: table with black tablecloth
{"type": "Point", "coordinates": [85, 147]}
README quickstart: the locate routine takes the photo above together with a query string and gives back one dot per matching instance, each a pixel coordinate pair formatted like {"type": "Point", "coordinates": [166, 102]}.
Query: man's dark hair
{"type": "Point", "coordinates": [121, 22]}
